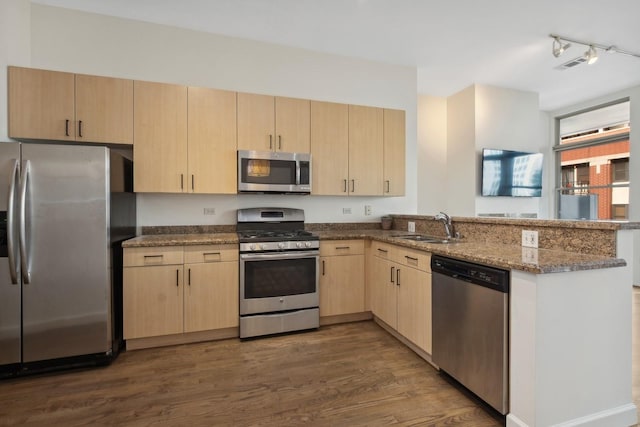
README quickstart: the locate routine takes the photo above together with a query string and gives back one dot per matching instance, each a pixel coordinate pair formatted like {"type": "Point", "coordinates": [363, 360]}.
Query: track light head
{"type": "Point", "coordinates": [591, 55]}
{"type": "Point", "coordinates": [558, 48]}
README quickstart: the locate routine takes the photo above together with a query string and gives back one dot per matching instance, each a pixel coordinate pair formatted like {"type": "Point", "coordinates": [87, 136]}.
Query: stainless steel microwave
{"type": "Point", "coordinates": [274, 172]}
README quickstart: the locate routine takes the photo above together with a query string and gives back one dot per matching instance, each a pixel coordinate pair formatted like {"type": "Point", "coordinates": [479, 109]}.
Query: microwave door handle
{"type": "Point", "coordinates": [297, 173]}
{"type": "Point", "coordinates": [11, 246]}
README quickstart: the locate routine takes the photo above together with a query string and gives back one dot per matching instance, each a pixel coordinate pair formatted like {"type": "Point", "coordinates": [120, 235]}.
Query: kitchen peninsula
{"type": "Point", "coordinates": [570, 309]}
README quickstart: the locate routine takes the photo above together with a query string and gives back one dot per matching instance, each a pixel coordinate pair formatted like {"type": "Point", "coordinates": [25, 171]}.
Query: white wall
{"type": "Point", "coordinates": [460, 178]}
{"type": "Point", "coordinates": [432, 154]}
{"type": "Point", "coordinates": [87, 43]}
{"type": "Point", "coordinates": [15, 48]}
{"type": "Point", "coordinates": [507, 119]}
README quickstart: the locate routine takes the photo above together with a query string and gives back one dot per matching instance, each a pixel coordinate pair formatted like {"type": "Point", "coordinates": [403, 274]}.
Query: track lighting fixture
{"type": "Point", "coordinates": [558, 48]}
{"type": "Point", "coordinates": [561, 44]}
{"type": "Point", "coordinates": [591, 55]}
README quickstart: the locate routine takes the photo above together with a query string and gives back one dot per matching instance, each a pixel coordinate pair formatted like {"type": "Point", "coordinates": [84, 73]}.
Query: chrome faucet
{"type": "Point", "coordinates": [446, 221]}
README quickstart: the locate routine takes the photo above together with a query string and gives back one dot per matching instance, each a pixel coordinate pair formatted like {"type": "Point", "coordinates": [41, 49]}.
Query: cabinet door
{"type": "Point", "coordinates": [414, 307]}
{"type": "Point", "coordinates": [330, 148]}
{"type": "Point", "coordinates": [365, 150]}
{"type": "Point", "coordinates": [212, 159]}
{"type": "Point", "coordinates": [394, 153]}
{"type": "Point", "coordinates": [152, 301]}
{"type": "Point", "coordinates": [104, 109]}
{"type": "Point", "coordinates": [41, 104]}
{"type": "Point", "coordinates": [256, 121]}
{"type": "Point", "coordinates": [160, 137]}
{"type": "Point", "coordinates": [383, 292]}
{"type": "Point", "coordinates": [341, 285]}
{"type": "Point", "coordinates": [211, 296]}
{"type": "Point", "coordinates": [293, 125]}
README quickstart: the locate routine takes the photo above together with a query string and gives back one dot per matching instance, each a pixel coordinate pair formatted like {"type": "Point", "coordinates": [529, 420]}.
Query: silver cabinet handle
{"type": "Point", "coordinates": [177, 278]}
{"type": "Point", "coordinates": [193, 183]}
{"type": "Point", "coordinates": [189, 278]}
{"type": "Point", "coordinates": [270, 142]}
{"type": "Point", "coordinates": [388, 186]}
{"type": "Point", "coordinates": [323, 267]}
{"type": "Point", "coordinates": [411, 258]}
{"type": "Point", "coordinates": [182, 181]}
{"type": "Point", "coordinates": [382, 250]}
{"type": "Point", "coordinates": [353, 185]}
{"type": "Point", "coordinates": [345, 186]}
{"type": "Point", "coordinates": [24, 259]}
{"type": "Point", "coordinates": [398, 276]}
{"type": "Point", "coordinates": [343, 247]}
{"type": "Point", "coordinates": [279, 142]}
{"type": "Point", "coordinates": [15, 179]}
{"type": "Point", "coordinates": [392, 269]}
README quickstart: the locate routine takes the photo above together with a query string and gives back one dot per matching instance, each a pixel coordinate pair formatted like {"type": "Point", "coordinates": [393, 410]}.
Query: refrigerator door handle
{"type": "Point", "coordinates": [26, 273]}
{"type": "Point", "coordinates": [15, 179]}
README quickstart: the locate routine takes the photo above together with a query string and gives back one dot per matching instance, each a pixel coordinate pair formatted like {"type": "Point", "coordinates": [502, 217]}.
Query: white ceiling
{"type": "Point", "coordinates": [453, 43]}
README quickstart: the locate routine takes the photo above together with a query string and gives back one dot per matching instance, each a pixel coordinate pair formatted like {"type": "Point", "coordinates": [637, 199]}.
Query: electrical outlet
{"type": "Point", "coordinates": [209, 211]}
{"type": "Point", "coordinates": [346, 211]}
{"type": "Point", "coordinates": [367, 209]}
{"type": "Point", "coordinates": [530, 256]}
{"type": "Point", "coordinates": [411, 226]}
{"type": "Point", "coordinates": [529, 239]}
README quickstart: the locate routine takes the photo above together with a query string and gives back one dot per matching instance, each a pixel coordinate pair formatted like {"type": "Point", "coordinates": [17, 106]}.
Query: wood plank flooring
{"type": "Point", "coordinates": [343, 375]}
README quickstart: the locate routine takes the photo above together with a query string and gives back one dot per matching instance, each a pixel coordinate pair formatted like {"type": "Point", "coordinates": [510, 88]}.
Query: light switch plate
{"type": "Point", "coordinates": [209, 211]}
{"type": "Point", "coordinates": [411, 226]}
{"type": "Point", "coordinates": [346, 211]}
{"type": "Point", "coordinates": [367, 209]}
{"type": "Point", "coordinates": [529, 239]}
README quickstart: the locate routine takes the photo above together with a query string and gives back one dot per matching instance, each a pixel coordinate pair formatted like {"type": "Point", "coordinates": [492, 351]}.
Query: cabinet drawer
{"type": "Point", "coordinates": [383, 250]}
{"type": "Point", "coordinates": [341, 247]}
{"type": "Point", "coordinates": [210, 253]}
{"type": "Point", "coordinates": [169, 255]}
{"type": "Point", "coordinates": [413, 258]}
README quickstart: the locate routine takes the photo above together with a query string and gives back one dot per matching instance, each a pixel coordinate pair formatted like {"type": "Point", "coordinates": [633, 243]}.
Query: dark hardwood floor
{"type": "Point", "coordinates": [344, 375]}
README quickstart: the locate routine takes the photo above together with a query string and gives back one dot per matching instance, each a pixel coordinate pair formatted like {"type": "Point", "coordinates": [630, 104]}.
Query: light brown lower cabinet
{"type": "Point", "coordinates": [177, 290]}
{"type": "Point", "coordinates": [401, 291]}
{"type": "Point", "coordinates": [341, 277]}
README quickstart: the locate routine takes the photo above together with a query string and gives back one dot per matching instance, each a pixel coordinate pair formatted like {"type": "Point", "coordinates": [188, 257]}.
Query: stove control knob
{"type": "Point", "coordinates": [307, 244]}
{"type": "Point", "coordinates": [252, 247]}
{"type": "Point", "coordinates": [281, 245]}
{"type": "Point", "coordinates": [299, 244]}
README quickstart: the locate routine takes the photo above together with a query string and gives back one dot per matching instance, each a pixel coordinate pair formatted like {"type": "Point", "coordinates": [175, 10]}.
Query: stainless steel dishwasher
{"type": "Point", "coordinates": [470, 305]}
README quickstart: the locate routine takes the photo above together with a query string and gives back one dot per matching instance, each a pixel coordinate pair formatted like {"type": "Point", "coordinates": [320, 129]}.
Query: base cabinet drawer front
{"type": "Point", "coordinates": [153, 301]}
{"type": "Point", "coordinates": [414, 258]}
{"type": "Point", "coordinates": [342, 285]}
{"type": "Point", "coordinates": [211, 296]}
{"type": "Point", "coordinates": [210, 253]}
{"type": "Point", "coordinates": [341, 247]}
{"type": "Point", "coordinates": [383, 250]}
{"type": "Point", "coordinates": [139, 257]}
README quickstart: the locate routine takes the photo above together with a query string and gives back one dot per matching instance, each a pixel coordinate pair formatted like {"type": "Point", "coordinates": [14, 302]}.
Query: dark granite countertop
{"type": "Point", "coordinates": [504, 256]}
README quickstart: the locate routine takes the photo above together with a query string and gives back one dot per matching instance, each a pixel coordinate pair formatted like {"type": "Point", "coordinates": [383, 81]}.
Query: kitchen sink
{"type": "Point", "coordinates": [425, 239]}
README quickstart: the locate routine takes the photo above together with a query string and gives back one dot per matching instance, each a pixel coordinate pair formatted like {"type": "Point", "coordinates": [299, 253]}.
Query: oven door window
{"type": "Point", "coordinates": [282, 277]}
{"type": "Point", "coordinates": [264, 171]}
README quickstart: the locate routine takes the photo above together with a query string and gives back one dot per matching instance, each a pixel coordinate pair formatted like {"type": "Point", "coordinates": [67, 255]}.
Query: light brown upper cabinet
{"type": "Point", "coordinates": [160, 135]}
{"type": "Point", "coordinates": [212, 160]}
{"type": "Point", "coordinates": [268, 123]}
{"type": "Point", "coordinates": [330, 148]}
{"type": "Point", "coordinates": [394, 153]}
{"type": "Point", "coordinates": [69, 107]}
{"type": "Point", "coordinates": [365, 151]}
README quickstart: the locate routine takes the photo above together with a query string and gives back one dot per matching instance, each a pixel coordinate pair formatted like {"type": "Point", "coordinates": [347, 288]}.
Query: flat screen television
{"type": "Point", "coordinates": [511, 173]}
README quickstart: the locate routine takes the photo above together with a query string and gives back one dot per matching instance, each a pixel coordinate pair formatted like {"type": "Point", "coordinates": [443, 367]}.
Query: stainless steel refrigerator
{"type": "Point", "coordinates": [64, 210]}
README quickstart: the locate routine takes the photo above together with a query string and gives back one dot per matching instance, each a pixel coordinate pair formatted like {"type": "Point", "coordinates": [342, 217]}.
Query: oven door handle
{"type": "Point", "coordinates": [279, 255]}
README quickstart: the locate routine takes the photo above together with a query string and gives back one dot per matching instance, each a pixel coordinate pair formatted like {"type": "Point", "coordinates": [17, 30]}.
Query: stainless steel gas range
{"type": "Point", "coordinates": [278, 272]}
